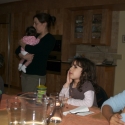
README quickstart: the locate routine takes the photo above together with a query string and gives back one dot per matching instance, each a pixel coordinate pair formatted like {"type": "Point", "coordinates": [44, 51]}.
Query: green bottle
{"type": "Point", "coordinates": [41, 90]}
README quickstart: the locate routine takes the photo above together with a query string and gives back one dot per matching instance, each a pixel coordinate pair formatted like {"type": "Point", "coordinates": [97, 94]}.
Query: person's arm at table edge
{"type": "Point", "coordinates": [107, 112]}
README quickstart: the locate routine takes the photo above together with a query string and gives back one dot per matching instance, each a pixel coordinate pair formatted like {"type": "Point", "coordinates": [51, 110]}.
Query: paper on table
{"type": "Point", "coordinates": [77, 110]}
{"type": "Point", "coordinates": [80, 109]}
{"type": "Point", "coordinates": [84, 113]}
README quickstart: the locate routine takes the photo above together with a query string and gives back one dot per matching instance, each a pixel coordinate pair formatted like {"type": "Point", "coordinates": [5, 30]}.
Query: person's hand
{"type": "Point", "coordinates": [116, 120]}
{"type": "Point", "coordinates": [65, 100]}
{"type": "Point", "coordinates": [68, 80]}
{"type": "Point", "coordinates": [28, 57]}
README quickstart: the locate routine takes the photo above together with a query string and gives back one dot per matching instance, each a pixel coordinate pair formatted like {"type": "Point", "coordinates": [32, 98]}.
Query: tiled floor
{"type": "Point", "coordinates": [11, 90]}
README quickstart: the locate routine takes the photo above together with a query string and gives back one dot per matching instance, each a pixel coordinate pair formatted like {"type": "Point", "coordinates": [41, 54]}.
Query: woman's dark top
{"type": "Point", "coordinates": [41, 52]}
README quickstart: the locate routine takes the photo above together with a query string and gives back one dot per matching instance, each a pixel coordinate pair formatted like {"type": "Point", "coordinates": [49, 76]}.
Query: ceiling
{"type": "Point", "coordinates": [7, 1]}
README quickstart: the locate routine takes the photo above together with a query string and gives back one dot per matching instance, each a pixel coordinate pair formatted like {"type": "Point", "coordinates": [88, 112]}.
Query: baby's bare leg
{"type": "Point", "coordinates": [20, 64]}
{"type": "Point", "coordinates": [23, 68]}
{"type": "Point", "coordinates": [21, 61]}
{"type": "Point", "coordinates": [27, 63]}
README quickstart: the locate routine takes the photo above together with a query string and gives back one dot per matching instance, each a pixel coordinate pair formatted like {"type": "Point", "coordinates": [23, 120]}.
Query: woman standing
{"type": "Point", "coordinates": [38, 54]}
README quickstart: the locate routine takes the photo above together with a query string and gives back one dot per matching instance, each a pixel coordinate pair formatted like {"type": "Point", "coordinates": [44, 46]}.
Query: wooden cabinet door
{"type": "Point", "coordinates": [91, 27]}
{"type": "Point", "coordinates": [105, 78]}
{"type": "Point", "coordinates": [100, 27]}
{"type": "Point", "coordinates": [77, 27]}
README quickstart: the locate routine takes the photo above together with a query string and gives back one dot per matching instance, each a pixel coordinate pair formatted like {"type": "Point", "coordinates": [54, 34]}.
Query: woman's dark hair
{"type": "Point", "coordinates": [88, 71]}
{"type": "Point", "coordinates": [31, 31]}
{"type": "Point", "coordinates": [44, 17]}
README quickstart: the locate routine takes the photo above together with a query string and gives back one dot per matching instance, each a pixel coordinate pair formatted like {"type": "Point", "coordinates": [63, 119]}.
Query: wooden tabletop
{"type": "Point", "coordinates": [95, 118]}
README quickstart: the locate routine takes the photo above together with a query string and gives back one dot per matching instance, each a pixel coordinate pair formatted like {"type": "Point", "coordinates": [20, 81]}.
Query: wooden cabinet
{"type": "Point", "coordinates": [92, 27]}
{"type": "Point", "coordinates": [105, 78]}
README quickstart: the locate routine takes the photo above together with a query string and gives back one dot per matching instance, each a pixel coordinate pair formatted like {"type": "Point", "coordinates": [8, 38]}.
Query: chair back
{"type": "Point", "coordinates": [1, 60]}
{"type": "Point", "coordinates": [1, 86]}
{"type": "Point", "coordinates": [101, 96]}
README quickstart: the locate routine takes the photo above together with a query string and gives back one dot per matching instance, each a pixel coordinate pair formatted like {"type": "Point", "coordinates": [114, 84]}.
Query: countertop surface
{"type": "Point", "coordinates": [97, 64]}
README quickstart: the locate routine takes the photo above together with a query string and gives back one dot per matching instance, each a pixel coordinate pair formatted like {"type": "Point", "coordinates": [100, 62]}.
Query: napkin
{"type": "Point", "coordinates": [77, 110]}
{"type": "Point", "coordinates": [84, 113]}
{"type": "Point", "coordinates": [80, 109]}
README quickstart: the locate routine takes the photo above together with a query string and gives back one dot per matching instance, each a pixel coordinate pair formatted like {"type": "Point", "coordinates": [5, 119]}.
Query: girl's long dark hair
{"type": "Point", "coordinates": [88, 72]}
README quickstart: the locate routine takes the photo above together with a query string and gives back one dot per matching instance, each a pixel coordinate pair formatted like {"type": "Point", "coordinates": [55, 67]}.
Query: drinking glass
{"type": "Point", "coordinates": [27, 110]}
{"type": "Point", "coordinates": [55, 96]}
{"type": "Point", "coordinates": [55, 116]}
{"type": "Point", "coordinates": [14, 111]}
{"type": "Point", "coordinates": [33, 111]}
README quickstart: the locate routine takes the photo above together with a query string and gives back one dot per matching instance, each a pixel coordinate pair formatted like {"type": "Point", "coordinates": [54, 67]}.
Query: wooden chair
{"type": "Point", "coordinates": [1, 87]}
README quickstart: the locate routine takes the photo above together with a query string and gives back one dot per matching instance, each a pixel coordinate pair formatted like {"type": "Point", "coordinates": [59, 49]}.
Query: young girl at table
{"type": "Point", "coordinates": [79, 87]}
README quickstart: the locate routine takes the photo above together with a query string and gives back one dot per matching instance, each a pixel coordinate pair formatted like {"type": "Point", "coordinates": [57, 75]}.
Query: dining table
{"type": "Point", "coordinates": [96, 118]}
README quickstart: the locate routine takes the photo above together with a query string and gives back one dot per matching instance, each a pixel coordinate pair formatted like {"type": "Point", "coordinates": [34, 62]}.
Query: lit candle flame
{"type": "Point", "coordinates": [57, 104]}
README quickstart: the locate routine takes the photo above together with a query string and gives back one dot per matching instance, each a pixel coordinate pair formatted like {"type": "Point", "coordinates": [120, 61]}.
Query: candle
{"type": "Point", "coordinates": [57, 104]}
{"type": "Point", "coordinates": [34, 122]}
{"type": "Point", "coordinates": [56, 119]}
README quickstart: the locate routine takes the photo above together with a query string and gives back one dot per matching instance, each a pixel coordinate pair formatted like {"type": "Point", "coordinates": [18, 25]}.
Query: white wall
{"type": "Point", "coordinates": [120, 68]}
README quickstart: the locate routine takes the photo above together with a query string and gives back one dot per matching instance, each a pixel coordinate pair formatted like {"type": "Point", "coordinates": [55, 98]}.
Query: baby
{"type": "Point", "coordinates": [31, 40]}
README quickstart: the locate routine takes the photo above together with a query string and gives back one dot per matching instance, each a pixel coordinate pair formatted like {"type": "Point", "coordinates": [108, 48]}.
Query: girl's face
{"type": "Point", "coordinates": [75, 71]}
{"type": "Point", "coordinates": [40, 27]}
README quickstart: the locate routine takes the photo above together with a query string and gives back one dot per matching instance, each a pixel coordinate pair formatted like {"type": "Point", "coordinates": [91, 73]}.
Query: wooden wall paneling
{"type": "Point", "coordinates": [4, 18]}
{"type": "Point", "coordinates": [58, 28]}
{"type": "Point", "coordinates": [16, 34]}
{"type": "Point", "coordinates": [27, 19]}
{"type": "Point", "coordinates": [30, 5]}
{"type": "Point", "coordinates": [64, 69]}
{"type": "Point", "coordinates": [58, 81]}
{"type": "Point", "coordinates": [68, 50]}
{"type": "Point", "coordinates": [53, 83]}
{"type": "Point", "coordinates": [50, 84]}
{"type": "Point", "coordinates": [19, 22]}
{"type": "Point", "coordinates": [4, 51]}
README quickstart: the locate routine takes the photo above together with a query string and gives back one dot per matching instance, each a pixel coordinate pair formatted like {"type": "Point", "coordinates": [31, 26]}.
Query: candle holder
{"type": "Point", "coordinates": [56, 115]}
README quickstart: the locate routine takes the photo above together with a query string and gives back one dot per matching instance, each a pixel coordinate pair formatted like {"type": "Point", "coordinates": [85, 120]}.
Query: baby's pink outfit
{"type": "Point", "coordinates": [30, 40]}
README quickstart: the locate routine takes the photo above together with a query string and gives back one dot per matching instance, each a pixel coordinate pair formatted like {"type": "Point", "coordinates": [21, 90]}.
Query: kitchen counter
{"type": "Point", "coordinates": [97, 64]}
